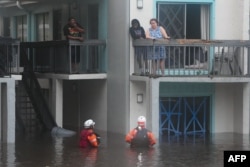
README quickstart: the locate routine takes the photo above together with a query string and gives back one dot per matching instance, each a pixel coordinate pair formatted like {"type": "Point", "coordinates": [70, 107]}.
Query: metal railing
{"type": "Point", "coordinates": [67, 57]}
{"type": "Point", "coordinates": [183, 57]}
{"type": "Point", "coordinates": [9, 56]}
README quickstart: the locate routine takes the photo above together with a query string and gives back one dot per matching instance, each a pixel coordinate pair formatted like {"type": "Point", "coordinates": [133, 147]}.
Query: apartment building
{"type": "Point", "coordinates": [205, 87]}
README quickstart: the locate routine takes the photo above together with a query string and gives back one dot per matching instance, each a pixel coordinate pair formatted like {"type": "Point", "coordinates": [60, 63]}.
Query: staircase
{"type": "Point", "coordinates": [33, 113]}
{"type": "Point", "coordinates": [26, 118]}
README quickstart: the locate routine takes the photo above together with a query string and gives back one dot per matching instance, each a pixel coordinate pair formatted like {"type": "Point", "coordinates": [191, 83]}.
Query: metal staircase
{"type": "Point", "coordinates": [26, 119]}
{"type": "Point", "coordinates": [32, 109]}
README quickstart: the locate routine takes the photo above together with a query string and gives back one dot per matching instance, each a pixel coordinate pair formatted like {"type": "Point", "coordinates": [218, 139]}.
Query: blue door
{"type": "Point", "coordinates": [184, 115]}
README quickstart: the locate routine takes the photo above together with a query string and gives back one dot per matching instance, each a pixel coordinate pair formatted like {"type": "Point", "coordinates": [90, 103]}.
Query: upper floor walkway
{"type": "Point", "coordinates": [182, 60]}
{"type": "Point", "coordinates": [187, 59]}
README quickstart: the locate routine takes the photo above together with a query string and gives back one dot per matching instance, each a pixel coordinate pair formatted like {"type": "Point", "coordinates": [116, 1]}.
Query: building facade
{"type": "Point", "coordinates": [186, 100]}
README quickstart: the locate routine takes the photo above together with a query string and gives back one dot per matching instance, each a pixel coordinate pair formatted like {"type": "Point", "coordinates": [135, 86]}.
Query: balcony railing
{"type": "Point", "coordinates": [67, 57]}
{"type": "Point", "coordinates": [182, 57]}
{"type": "Point", "coordinates": [9, 56]}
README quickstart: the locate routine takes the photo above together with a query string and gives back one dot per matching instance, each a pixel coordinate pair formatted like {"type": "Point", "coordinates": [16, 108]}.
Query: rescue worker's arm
{"type": "Point", "coordinates": [130, 136]}
{"type": "Point", "coordinates": [151, 138]}
{"type": "Point", "coordinates": [93, 140]}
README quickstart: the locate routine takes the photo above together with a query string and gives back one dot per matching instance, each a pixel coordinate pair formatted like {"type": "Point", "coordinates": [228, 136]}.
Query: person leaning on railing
{"type": "Point", "coordinates": [137, 32]}
{"type": "Point", "coordinates": [159, 53]}
{"type": "Point", "coordinates": [73, 31]}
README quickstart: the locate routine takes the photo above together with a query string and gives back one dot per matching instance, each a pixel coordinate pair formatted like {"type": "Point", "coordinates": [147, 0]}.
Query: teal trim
{"type": "Point", "coordinates": [13, 29]}
{"type": "Point", "coordinates": [186, 89]}
{"type": "Point", "coordinates": [30, 27]}
{"type": "Point", "coordinates": [185, 72]}
{"type": "Point", "coordinates": [212, 21]}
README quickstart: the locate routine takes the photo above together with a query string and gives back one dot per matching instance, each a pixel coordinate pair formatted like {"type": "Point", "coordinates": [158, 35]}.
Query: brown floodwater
{"type": "Point", "coordinates": [45, 150]}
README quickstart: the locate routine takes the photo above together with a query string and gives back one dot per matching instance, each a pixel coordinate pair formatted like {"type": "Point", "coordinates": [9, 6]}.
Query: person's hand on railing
{"type": "Point", "coordinates": [168, 37]}
{"type": "Point", "coordinates": [80, 39]}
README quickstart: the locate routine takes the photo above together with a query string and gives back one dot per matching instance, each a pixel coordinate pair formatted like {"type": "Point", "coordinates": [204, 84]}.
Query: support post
{"type": "Point", "coordinates": [57, 101]}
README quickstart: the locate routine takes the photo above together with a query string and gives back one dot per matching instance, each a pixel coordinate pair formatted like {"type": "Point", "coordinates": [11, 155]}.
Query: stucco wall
{"type": "Point", "coordinates": [238, 107]}
{"type": "Point", "coordinates": [228, 108]}
{"type": "Point", "coordinates": [94, 102]}
{"type": "Point", "coordinates": [230, 19]}
{"type": "Point", "coordinates": [144, 14]}
{"type": "Point", "coordinates": [137, 109]}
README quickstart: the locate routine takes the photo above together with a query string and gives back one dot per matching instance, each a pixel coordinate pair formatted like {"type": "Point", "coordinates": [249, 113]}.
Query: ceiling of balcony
{"type": "Point", "coordinates": [9, 3]}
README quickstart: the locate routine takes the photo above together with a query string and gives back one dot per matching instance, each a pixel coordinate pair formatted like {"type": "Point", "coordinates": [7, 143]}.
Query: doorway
{"type": "Point", "coordinates": [184, 115]}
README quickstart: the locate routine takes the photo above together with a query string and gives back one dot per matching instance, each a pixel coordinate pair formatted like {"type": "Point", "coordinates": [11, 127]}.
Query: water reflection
{"type": "Point", "coordinates": [58, 151]}
{"type": "Point", "coordinates": [172, 151]}
{"type": "Point", "coordinates": [89, 156]}
{"type": "Point", "coordinates": [140, 156]}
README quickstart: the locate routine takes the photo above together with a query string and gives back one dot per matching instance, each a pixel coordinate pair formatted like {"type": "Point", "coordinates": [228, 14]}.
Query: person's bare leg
{"type": "Point", "coordinates": [162, 66]}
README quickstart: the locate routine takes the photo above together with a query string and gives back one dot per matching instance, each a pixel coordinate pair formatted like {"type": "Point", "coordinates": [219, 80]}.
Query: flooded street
{"type": "Point", "coordinates": [47, 151]}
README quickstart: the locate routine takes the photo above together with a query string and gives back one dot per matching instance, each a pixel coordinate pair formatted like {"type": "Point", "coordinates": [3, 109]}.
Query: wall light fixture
{"type": "Point", "coordinates": [139, 98]}
{"type": "Point", "coordinates": [139, 4]}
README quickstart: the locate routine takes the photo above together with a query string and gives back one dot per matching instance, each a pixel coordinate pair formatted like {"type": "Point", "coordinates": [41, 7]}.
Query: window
{"type": "Point", "coordinates": [21, 28]}
{"type": "Point", "coordinates": [42, 27]}
{"type": "Point", "coordinates": [6, 28]}
{"type": "Point", "coordinates": [184, 21]}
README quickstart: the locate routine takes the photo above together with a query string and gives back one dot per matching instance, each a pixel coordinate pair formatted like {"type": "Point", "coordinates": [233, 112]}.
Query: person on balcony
{"type": "Point", "coordinates": [73, 31]}
{"type": "Point", "coordinates": [89, 138]}
{"type": "Point", "coordinates": [158, 54]}
{"type": "Point", "coordinates": [140, 136]}
{"type": "Point", "coordinates": [137, 32]}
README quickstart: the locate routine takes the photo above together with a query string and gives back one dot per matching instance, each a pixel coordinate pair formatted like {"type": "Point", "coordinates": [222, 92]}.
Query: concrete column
{"type": "Point", "coordinates": [1, 113]}
{"type": "Point", "coordinates": [11, 111]}
{"type": "Point", "coordinates": [246, 109]}
{"type": "Point", "coordinates": [8, 115]}
{"type": "Point", "coordinates": [118, 96]}
{"type": "Point", "coordinates": [57, 101]}
{"type": "Point", "coordinates": [154, 107]}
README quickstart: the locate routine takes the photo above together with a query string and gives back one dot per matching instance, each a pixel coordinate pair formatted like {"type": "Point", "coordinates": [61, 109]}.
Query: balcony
{"type": "Point", "coordinates": [199, 58]}
{"type": "Point", "coordinates": [66, 57]}
{"type": "Point", "coordinates": [9, 57]}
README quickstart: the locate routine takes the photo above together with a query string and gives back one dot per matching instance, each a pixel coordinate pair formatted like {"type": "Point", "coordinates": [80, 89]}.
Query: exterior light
{"type": "Point", "coordinates": [140, 98]}
{"type": "Point", "coordinates": [139, 4]}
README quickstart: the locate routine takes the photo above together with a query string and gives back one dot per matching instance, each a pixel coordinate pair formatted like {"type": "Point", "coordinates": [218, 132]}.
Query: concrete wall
{"type": "Point", "coordinates": [144, 14]}
{"type": "Point", "coordinates": [231, 19]}
{"type": "Point", "coordinates": [224, 107]}
{"type": "Point", "coordinates": [228, 108]}
{"type": "Point", "coordinates": [137, 109]}
{"type": "Point", "coordinates": [238, 107]}
{"type": "Point", "coordinates": [94, 102]}
{"type": "Point", "coordinates": [84, 100]}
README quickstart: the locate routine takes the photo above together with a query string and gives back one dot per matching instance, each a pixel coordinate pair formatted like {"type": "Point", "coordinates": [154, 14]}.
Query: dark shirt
{"type": "Point", "coordinates": [137, 33]}
{"type": "Point", "coordinates": [70, 30]}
